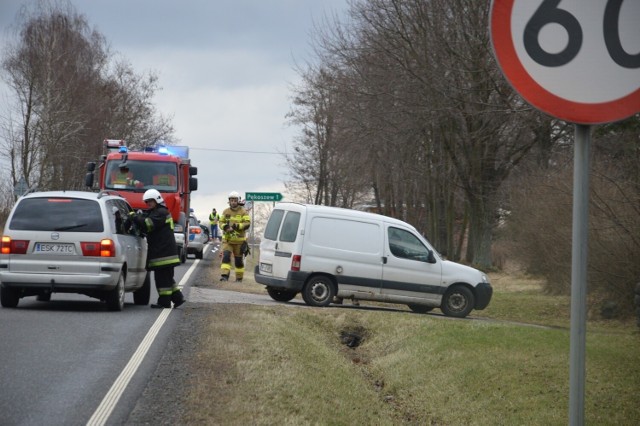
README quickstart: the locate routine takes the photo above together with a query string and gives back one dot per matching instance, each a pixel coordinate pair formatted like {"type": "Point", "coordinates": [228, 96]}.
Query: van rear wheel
{"type": "Point", "coordinates": [457, 302]}
{"type": "Point", "coordinates": [281, 295]}
{"type": "Point", "coordinates": [318, 291]}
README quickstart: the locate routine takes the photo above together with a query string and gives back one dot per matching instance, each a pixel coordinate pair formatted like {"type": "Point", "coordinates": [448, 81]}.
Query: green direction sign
{"type": "Point", "coordinates": [263, 196]}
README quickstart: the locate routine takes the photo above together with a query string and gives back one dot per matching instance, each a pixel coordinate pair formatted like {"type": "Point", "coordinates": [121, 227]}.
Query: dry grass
{"type": "Point", "coordinates": [283, 365]}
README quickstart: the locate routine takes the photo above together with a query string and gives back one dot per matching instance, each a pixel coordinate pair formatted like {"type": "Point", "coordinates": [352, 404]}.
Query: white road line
{"type": "Point", "coordinates": [112, 397]}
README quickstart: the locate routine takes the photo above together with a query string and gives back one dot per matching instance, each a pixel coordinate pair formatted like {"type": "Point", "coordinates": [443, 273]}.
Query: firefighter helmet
{"type": "Point", "coordinates": [234, 194]}
{"type": "Point", "coordinates": [153, 194]}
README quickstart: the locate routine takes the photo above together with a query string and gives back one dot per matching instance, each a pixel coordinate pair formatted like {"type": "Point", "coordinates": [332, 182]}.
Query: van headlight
{"type": "Point", "coordinates": [485, 279]}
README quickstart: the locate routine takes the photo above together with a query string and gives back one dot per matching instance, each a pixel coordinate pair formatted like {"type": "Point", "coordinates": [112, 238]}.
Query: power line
{"type": "Point", "coordinates": [236, 150]}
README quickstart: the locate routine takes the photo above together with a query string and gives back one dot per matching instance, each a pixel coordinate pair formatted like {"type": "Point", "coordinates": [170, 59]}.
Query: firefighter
{"type": "Point", "coordinates": [123, 178]}
{"type": "Point", "coordinates": [234, 223]}
{"type": "Point", "coordinates": [214, 218]}
{"type": "Point", "coordinates": [157, 224]}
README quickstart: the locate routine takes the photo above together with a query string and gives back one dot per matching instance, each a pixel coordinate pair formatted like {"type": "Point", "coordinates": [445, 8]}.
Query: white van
{"type": "Point", "coordinates": [329, 254]}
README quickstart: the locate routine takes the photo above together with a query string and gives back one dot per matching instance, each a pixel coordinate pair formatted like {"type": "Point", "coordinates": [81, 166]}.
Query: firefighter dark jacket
{"type": "Point", "coordinates": [157, 224]}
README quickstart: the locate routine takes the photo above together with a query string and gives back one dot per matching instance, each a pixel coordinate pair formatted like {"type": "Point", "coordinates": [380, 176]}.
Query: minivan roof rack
{"type": "Point", "coordinates": [108, 192]}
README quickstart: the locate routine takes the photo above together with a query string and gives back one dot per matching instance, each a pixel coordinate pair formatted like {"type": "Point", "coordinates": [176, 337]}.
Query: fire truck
{"type": "Point", "coordinates": [165, 168]}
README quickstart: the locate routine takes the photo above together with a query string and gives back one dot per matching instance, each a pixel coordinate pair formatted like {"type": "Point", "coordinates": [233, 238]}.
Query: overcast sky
{"type": "Point", "coordinates": [225, 68]}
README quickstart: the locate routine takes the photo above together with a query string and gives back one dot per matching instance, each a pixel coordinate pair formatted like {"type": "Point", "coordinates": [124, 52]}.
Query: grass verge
{"type": "Point", "coordinates": [281, 365]}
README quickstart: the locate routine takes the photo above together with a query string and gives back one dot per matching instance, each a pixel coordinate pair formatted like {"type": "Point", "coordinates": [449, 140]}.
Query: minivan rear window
{"type": "Point", "coordinates": [57, 214]}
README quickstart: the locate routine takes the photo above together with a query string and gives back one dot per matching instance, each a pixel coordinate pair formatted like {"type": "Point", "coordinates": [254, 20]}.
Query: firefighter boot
{"type": "Point", "coordinates": [224, 278]}
{"type": "Point", "coordinates": [177, 298]}
{"type": "Point", "coordinates": [163, 302]}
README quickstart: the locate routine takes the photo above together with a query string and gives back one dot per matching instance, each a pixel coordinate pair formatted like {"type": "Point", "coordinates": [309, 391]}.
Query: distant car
{"type": "Point", "coordinates": [197, 238]}
{"type": "Point", "coordinates": [72, 242]}
{"type": "Point", "coordinates": [178, 232]}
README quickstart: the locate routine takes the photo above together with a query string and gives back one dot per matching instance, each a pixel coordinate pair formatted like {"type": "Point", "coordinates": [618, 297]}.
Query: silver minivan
{"type": "Point", "coordinates": [72, 242]}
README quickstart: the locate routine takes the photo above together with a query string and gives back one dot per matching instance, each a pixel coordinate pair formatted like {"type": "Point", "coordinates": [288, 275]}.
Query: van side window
{"type": "Point", "coordinates": [273, 225]}
{"type": "Point", "coordinates": [405, 245]}
{"type": "Point", "coordinates": [290, 227]}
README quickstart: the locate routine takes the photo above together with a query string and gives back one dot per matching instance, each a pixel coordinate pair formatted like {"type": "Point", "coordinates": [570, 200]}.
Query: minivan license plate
{"type": "Point", "coordinates": [55, 248]}
{"type": "Point", "coordinates": [265, 267]}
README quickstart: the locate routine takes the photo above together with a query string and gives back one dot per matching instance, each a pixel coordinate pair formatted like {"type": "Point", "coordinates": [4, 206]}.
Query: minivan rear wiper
{"type": "Point", "coordinates": [67, 228]}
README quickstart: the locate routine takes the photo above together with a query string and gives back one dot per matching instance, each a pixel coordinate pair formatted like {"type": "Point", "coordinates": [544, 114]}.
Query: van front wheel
{"type": "Point", "coordinates": [319, 291]}
{"type": "Point", "coordinates": [457, 302]}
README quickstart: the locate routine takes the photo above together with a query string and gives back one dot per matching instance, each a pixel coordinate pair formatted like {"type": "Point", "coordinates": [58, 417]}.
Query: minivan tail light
{"type": "Point", "coordinates": [104, 248]}
{"type": "Point", "coordinates": [10, 246]}
{"type": "Point", "coordinates": [295, 262]}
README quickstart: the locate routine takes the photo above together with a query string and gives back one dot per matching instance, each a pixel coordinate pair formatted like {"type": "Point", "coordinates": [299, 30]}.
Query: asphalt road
{"type": "Point", "coordinates": [60, 358]}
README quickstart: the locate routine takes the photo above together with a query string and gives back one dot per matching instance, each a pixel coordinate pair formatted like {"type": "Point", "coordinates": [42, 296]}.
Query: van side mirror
{"type": "Point", "coordinates": [431, 258]}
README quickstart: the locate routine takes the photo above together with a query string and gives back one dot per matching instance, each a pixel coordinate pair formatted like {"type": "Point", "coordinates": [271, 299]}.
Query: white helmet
{"type": "Point", "coordinates": [234, 194]}
{"type": "Point", "coordinates": [153, 194]}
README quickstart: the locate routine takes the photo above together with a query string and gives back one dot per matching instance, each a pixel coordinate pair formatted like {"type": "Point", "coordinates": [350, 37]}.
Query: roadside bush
{"type": "Point", "coordinates": [540, 225]}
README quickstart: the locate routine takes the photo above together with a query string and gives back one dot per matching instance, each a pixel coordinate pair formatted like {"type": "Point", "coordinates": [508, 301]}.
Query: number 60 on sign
{"type": "Point", "coordinates": [578, 60]}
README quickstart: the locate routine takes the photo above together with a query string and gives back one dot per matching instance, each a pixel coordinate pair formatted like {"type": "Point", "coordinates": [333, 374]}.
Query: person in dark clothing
{"type": "Point", "coordinates": [162, 258]}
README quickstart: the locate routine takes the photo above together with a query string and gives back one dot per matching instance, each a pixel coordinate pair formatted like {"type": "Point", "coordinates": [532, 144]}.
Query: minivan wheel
{"type": "Point", "coordinates": [9, 297]}
{"type": "Point", "coordinates": [115, 297]}
{"type": "Point", "coordinates": [281, 295]}
{"type": "Point", "coordinates": [420, 309]}
{"type": "Point", "coordinates": [457, 302]}
{"type": "Point", "coordinates": [318, 291]}
{"type": "Point", "coordinates": [142, 295]}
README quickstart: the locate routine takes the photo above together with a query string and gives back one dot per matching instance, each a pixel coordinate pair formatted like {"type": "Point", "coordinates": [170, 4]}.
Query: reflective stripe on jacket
{"type": "Point", "coordinates": [238, 216]}
{"type": "Point", "coordinates": [163, 251]}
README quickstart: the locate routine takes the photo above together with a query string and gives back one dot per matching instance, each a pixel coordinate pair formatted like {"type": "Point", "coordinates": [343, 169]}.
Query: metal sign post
{"type": "Point", "coordinates": [579, 251]}
{"type": "Point", "coordinates": [547, 50]}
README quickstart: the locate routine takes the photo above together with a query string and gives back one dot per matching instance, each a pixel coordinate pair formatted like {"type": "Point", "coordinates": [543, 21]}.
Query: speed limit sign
{"type": "Point", "coordinates": [578, 60]}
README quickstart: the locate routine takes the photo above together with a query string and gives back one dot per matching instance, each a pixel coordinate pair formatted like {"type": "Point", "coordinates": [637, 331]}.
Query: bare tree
{"type": "Point", "coordinates": [51, 69]}
{"type": "Point", "coordinates": [68, 99]}
{"type": "Point", "coordinates": [421, 88]}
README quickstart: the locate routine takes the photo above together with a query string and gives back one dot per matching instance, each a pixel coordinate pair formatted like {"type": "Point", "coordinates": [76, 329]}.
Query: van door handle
{"type": "Point", "coordinates": [276, 246]}
{"type": "Point", "coordinates": [384, 260]}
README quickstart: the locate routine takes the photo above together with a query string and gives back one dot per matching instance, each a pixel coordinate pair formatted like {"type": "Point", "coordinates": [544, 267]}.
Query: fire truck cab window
{"type": "Point", "coordinates": [164, 177]}
{"type": "Point", "coordinates": [142, 175]}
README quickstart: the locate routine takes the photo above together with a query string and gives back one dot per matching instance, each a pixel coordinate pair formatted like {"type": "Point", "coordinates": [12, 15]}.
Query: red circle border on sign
{"type": "Point", "coordinates": [538, 96]}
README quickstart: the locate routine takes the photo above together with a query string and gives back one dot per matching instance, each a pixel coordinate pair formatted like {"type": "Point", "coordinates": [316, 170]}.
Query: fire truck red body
{"type": "Point", "coordinates": [131, 173]}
